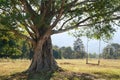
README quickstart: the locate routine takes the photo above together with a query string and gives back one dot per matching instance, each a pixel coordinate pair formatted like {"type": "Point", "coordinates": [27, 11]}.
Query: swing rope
{"type": "Point", "coordinates": [98, 54]}
{"type": "Point", "coordinates": [87, 52]}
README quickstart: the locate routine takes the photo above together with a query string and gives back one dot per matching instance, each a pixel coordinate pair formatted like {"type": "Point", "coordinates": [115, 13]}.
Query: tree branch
{"type": "Point", "coordinates": [72, 27]}
{"type": "Point", "coordinates": [69, 6]}
{"type": "Point", "coordinates": [78, 25]}
{"type": "Point", "coordinates": [32, 35]}
{"type": "Point", "coordinates": [66, 22]}
{"type": "Point", "coordinates": [59, 15]}
{"type": "Point", "coordinates": [17, 34]}
{"type": "Point", "coordinates": [29, 9]}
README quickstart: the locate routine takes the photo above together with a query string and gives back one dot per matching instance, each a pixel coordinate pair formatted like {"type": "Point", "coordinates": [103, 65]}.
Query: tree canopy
{"type": "Point", "coordinates": [56, 16]}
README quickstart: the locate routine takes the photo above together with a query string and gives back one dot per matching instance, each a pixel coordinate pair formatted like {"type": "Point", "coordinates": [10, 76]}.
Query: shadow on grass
{"type": "Point", "coordinates": [72, 76]}
{"type": "Point", "coordinates": [58, 75]}
{"type": "Point", "coordinates": [40, 76]}
{"type": "Point", "coordinates": [16, 76]}
{"type": "Point", "coordinates": [108, 76]}
{"type": "Point", "coordinates": [26, 76]}
{"type": "Point", "coordinates": [61, 75]}
{"type": "Point", "coordinates": [4, 77]}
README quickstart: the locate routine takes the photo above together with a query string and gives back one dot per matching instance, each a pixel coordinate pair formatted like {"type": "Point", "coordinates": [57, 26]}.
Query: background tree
{"type": "Point", "coordinates": [67, 52]}
{"type": "Point", "coordinates": [93, 55]}
{"type": "Point", "coordinates": [79, 49]}
{"type": "Point", "coordinates": [26, 51]}
{"type": "Point", "coordinates": [56, 52]}
{"type": "Point", "coordinates": [13, 47]}
{"type": "Point", "coordinates": [111, 51]}
{"type": "Point", "coordinates": [8, 45]}
{"type": "Point", "coordinates": [42, 18]}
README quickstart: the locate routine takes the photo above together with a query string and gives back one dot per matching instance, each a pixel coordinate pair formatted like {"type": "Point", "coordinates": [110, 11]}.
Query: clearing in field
{"type": "Point", "coordinates": [73, 69]}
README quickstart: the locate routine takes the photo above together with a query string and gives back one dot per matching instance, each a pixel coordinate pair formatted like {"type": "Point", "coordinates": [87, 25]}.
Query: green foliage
{"type": "Point", "coordinates": [94, 55]}
{"type": "Point", "coordinates": [101, 14]}
{"type": "Point", "coordinates": [13, 47]}
{"type": "Point", "coordinates": [67, 53]}
{"type": "Point", "coordinates": [79, 49]}
{"type": "Point", "coordinates": [63, 52]}
{"type": "Point", "coordinates": [9, 45]}
{"type": "Point", "coordinates": [101, 25]}
{"type": "Point", "coordinates": [56, 52]}
{"type": "Point", "coordinates": [111, 51]}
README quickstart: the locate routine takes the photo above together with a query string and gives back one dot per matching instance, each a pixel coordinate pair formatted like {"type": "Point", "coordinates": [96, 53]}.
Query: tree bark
{"type": "Point", "coordinates": [43, 59]}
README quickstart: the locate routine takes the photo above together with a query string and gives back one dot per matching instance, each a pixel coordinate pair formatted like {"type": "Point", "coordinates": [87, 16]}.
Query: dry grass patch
{"type": "Point", "coordinates": [108, 69]}
{"type": "Point", "coordinates": [75, 69]}
{"type": "Point", "coordinates": [9, 66]}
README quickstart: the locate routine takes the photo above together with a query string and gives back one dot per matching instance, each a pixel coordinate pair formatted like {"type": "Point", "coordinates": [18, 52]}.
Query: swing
{"type": "Point", "coordinates": [87, 62]}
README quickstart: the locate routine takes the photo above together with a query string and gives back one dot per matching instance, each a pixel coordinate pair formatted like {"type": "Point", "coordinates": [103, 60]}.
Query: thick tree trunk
{"type": "Point", "coordinates": [43, 59]}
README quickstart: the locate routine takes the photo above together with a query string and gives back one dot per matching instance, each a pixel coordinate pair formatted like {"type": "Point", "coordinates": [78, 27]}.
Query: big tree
{"type": "Point", "coordinates": [43, 18]}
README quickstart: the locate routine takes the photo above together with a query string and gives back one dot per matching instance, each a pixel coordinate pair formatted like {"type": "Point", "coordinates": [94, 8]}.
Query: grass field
{"type": "Point", "coordinates": [74, 69]}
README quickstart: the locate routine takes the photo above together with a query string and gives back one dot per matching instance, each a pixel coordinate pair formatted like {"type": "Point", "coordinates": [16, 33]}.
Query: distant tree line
{"type": "Point", "coordinates": [13, 47]}
{"type": "Point", "coordinates": [77, 52]}
{"type": "Point", "coordinates": [67, 53]}
{"type": "Point", "coordinates": [111, 51]}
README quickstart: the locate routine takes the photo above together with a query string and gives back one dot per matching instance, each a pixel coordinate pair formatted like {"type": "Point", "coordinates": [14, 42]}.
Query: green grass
{"type": "Point", "coordinates": [74, 69]}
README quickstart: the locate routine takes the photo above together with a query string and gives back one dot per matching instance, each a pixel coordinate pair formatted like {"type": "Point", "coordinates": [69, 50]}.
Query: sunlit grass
{"type": "Point", "coordinates": [108, 69]}
{"type": "Point", "coordinates": [9, 66]}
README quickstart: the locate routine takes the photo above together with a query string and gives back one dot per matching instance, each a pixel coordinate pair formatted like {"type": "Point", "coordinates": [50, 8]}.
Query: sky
{"type": "Point", "coordinates": [64, 39]}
